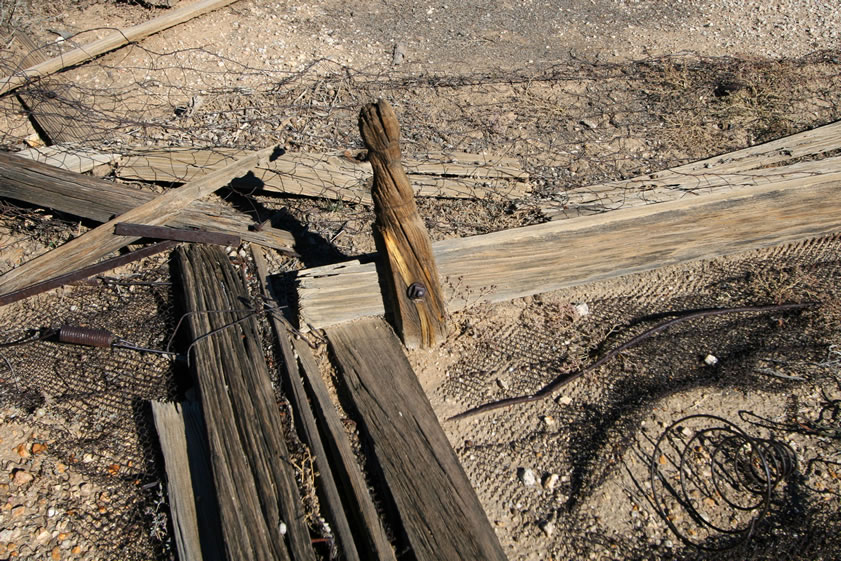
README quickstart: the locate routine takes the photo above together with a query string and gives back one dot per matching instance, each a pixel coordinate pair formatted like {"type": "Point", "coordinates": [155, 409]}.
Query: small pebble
{"type": "Point", "coordinates": [551, 481]}
{"type": "Point", "coordinates": [548, 528]}
{"type": "Point", "coordinates": [22, 477]}
{"type": "Point", "coordinates": [527, 476]}
{"type": "Point", "coordinates": [710, 360]}
{"type": "Point", "coordinates": [565, 400]}
{"type": "Point", "coordinates": [582, 309]}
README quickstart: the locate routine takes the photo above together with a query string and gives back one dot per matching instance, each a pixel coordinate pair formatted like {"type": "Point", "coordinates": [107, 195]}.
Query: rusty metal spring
{"type": "Point", "coordinates": [88, 336]}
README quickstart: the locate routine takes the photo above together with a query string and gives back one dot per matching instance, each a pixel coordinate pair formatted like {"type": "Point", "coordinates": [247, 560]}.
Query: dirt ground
{"type": "Point", "coordinates": [579, 92]}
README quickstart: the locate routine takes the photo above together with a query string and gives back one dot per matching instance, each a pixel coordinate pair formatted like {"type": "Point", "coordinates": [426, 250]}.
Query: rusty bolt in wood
{"type": "Point", "coordinates": [416, 291]}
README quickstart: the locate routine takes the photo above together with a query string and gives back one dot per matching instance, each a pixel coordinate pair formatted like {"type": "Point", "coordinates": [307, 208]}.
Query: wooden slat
{"type": "Point", "coordinates": [441, 516]}
{"type": "Point", "coordinates": [336, 177]}
{"type": "Point", "coordinates": [96, 199]}
{"type": "Point", "coordinates": [101, 241]}
{"type": "Point", "coordinates": [413, 297]}
{"type": "Point", "coordinates": [534, 259]}
{"type": "Point", "coordinates": [75, 159]}
{"type": "Point", "coordinates": [110, 42]}
{"type": "Point", "coordinates": [367, 526]}
{"type": "Point", "coordinates": [261, 512]}
{"type": "Point", "coordinates": [719, 173]}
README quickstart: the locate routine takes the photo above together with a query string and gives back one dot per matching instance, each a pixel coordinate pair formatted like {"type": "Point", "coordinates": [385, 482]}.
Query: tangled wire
{"type": "Point", "coordinates": [712, 482]}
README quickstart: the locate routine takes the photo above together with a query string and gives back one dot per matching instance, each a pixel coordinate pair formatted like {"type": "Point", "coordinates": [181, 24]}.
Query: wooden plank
{"type": "Point", "coordinates": [305, 421]}
{"type": "Point", "coordinates": [101, 241]}
{"type": "Point", "coordinates": [177, 234]}
{"type": "Point", "coordinates": [354, 517]}
{"type": "Point", "coordinates": [261, 512]}
{"type": "Point", "coordinates": [54, 116]}
{"type": "Point", "coordinates": [110, 42]}
{"type": "Point", "coordinates": [367, 525]}
{"type": "Point", "coordinates": [336, 177]}
{"type": "Point", "coordinates": [70, 158]}
{"type": "Point", "coordinates": [441, 516]}
{"type": "Point", "coordinates": [169, 424]}
{"type": "Point", "coordinates": [534, 259]}
{"type": "Point", "coordinates": [96, 199]}
{"type": "Point", "coordinates": [718, 173]}
{"type": "Point", "coordinates": [413, 296]}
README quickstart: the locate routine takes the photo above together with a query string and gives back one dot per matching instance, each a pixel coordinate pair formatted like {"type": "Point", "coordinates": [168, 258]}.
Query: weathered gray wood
{"type": "Point", "coordinates": [169, 423]}
{"type": "Point", "coordinates": [305, 421]}
{"type": "Point", "coordinates": [438, 509]}
{"type": "Point", "coordinates": [534, 259]}
{"type": "Point", "coordinates": [716, 174]}
{"type": "Point", "coordinates": [412, 290]}
{"type": "Point", "coordinates": [100, 200]}
{"type": "Point", "coordinates": [333, 176]}
{"type": "Point", "coordinates": [110, 42]}
{"type": "Point", "coordinates": [355, 518]}
{"type": "Point", "coordinates": [366, 523]}
{"type": "Point", "coordinates": [70, 158]}
{"type": "Point", "coordinates": [101, 241]}
{"type": "Point", "coordinates": [261, 512]}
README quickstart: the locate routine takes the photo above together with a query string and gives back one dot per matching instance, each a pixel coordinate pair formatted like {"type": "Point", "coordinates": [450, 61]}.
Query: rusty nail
{"type": "Point", "coordinates": [416, 291]}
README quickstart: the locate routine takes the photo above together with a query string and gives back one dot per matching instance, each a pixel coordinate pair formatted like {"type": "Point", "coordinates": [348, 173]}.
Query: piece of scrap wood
{"type": "Point", "coordinates": [110, 42]}
{"type": "Point", "coordinates": [70, 158]}
{"type": "Point", "coordinates": [101, 241]}
{"type": "Point", "coordinates": [719, 173]}
{"type": "Point", "coordinates": [100, 200]}
{"type": "Point", "coordinates": [437, 506]}
{"type": "Point", "coordinates": [530, 260]}
{"type": "Point", "coordinates": [260, 506]}
{"type": "Point", "coordinates": [56, 118]}
{"type": "Point", "coordinates": [413, 296]}
{"type": "Point", "coordinates": [337, 177]}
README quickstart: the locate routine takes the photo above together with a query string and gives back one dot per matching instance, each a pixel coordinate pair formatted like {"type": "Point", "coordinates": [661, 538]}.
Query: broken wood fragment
{"type": "Point", "coordinates": [110, 42]}
{"type": "Point", "coordinates": [260, 507]}
{"type": "Point", "coordinates": [437, 507]}
{"type": "Point", "coordinates": [177, 234]}
{"type": "Point", "coordinates": [100, 200]}
{"type": "Point", "coordinates": [101, 241]}
{"type": "Point", "coordinates": [413, 295]}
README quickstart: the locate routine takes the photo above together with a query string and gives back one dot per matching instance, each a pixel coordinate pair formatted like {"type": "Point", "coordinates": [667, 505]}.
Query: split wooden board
{"type": "Point", "coordinates": [437, 507]}
{"type": "Point", "coordinates": [534, 259]}
{"type": "Point", "coordinates": [758, 165]}
{"type": "Point", "coordinates": [334, 176]}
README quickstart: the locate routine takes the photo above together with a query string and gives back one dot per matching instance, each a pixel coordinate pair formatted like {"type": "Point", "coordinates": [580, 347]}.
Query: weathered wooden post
{"type": "Point", "coordinates": [414, 298]}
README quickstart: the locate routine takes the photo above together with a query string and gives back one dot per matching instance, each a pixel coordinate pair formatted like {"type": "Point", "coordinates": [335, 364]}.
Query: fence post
{"type": "Point", "coordinates": [413, 297]}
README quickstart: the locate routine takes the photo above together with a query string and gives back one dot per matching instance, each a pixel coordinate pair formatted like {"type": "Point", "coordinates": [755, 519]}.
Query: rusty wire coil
{"type": "Point", "coordinates": [712, 482]}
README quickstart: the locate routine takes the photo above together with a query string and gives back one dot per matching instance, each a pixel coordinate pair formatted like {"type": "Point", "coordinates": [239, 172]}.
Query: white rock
{"type": "Point", "coordinates": [582, 309]}
{"type": "Point", "coordinates": [710, 360]}
{"type": "Point", "coordinates": [527, 476]}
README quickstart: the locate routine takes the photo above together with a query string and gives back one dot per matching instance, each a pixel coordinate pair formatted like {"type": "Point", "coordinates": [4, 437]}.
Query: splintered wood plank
{"type": "Point", "coordinates": [110, 42]}
{"type": "Point", "coordinates": [96, 199]}
{"type": "Point", "coordinates": [413, 296]}
{"type": "Point", "coordinates": [440, 513]}
{"type": "Point", "coordinates": [99, 242]}
{"type": "Point", "coordinates": [522, 261]}
{"type": "Point", "coordinates": [719, 173]}
{"type": "Point", "coordinates": [333, 176]}
{"type": "Point", "coordinates": [260, 509]}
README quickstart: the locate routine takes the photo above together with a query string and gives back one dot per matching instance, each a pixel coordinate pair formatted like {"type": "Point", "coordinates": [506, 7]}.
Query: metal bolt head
{"type": "Point", "coordinates": [416, 291]}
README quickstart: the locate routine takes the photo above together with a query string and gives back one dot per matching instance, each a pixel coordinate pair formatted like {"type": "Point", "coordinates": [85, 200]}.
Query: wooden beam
{"type": "Point", "coordinates": [100, 200]}
{"type": "Point", "coordinates": [101, 241]}
{"type": "Point", "coordinates": [413, 296]}
{"type": "Point", "coordinates": [75, 159]}
{"type": "Point", "coordinates": [261, 512]}
{"type": "Point", "coordinates": [719, 173]}
{"type": "Point", "coordinates": [110, 42]}
{"type": "Point", "coordinates": [333, 176]}
{"type": "Point", "coordinates": [438, 509]}
{"type": "Point", "coordinates": [554, 255]}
